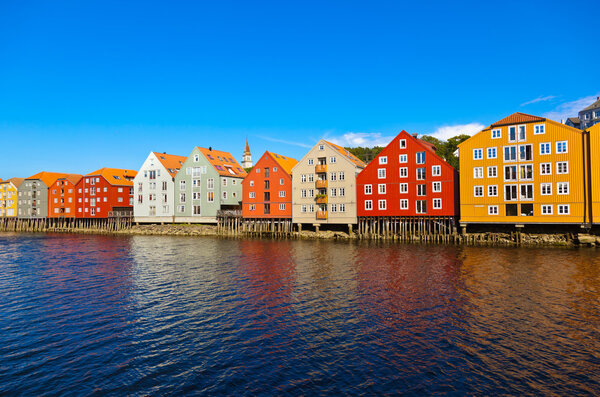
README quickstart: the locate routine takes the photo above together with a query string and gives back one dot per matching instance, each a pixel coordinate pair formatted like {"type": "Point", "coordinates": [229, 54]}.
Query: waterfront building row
{"type": "Point", "coordinates": [520, 170]}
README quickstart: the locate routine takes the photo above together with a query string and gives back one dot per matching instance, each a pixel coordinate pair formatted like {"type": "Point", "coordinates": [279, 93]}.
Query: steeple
{"type": "Point", "coordinates": [247, 157]}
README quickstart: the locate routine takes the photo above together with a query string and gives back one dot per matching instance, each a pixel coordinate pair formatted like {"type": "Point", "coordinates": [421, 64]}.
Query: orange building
{"type": "Point", "coordinates": [105, 193]}
{"type": "Point", "coordinates": [267, 190]}
{"type": "Point", "coordinates": [62, 197]}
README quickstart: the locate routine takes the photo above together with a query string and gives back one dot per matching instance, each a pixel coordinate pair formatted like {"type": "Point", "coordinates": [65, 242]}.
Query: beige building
{"type": "Point", "coordinates": [324, 186]}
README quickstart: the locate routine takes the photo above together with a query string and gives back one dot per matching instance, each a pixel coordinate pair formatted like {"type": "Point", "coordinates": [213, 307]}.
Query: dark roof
{"type": "Point", "coordinates": [574, 120]}
{"type": "Point", "coordinates": [595, 105]}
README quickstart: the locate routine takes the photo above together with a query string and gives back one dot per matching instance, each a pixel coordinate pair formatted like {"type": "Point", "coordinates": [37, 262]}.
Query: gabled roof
{"type": "Point", "coordinates": [358, 162]}
{"type": "Point", "coordinates": [171, 162]}
{"type": "Point", "coordinates": [223, 162]}
{"type": "Point", "coordinates": [286, 163]}
{"type": "Point", "coordinates": [594, 105]}
{"type": "Point", "coordinates": [73, 178]}
{"type": "Point", "coordinates": [116, 176]}
{"type": "Point", "coordinates": [574, 120]}
{"type": "Point", "coordinates": [15, 181]}
{"type": "Point", "coordinates": [518, 118]}
{"type": "Point", "coordinates": [48, 177]}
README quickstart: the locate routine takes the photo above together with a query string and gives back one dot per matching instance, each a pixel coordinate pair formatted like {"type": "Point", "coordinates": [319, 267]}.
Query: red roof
{"type": "Point", "coordinates": [518, 118]}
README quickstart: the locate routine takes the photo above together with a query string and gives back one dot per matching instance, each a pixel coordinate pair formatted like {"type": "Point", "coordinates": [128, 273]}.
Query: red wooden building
{"type": "Point", "coordinates": [408, 179]}
{"type": "Point", "coordinates": [267, 189]}
{"type": "Point", "coordinates": [62, 197]}
{"type": "Point", "coordinates": [105, 193]}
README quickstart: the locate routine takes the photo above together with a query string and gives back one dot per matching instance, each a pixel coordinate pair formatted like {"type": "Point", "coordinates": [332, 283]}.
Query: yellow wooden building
{"type": "Point", "coordinates": [593, 137]}
{"type": "Point", "coordinates": [522, 170]}
{"type": "Point", "coordinates": [8, 197]}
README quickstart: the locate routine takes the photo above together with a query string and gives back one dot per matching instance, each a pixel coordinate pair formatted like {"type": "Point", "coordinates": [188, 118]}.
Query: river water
{"type": "Point", "coordinates": [149, 315]}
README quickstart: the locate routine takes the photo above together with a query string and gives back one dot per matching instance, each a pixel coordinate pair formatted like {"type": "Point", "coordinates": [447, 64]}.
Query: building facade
{"type": "Point", "coordinates": [324, 186]}
{"type": "Point", "coordinates": [408, 179]}
{"type": "Point", "coordinates": [522, 170]}
{"type": "Point", "coordinates": [8, 197]}
{"type": "Point", "coordinates": [104, 193]}
{"type": "Point", "coordinates": [209, 181]}
{"type": "Point", "coordinates": [590, 115]}
{"type": "Point", "coordinates": [154, 188]}
{"type": "Point", "coordinates": [62, 197]}
{"type": "Point", "coordinates": [267, 189]}
{"type": "Point", "coordinates": [33, 195]}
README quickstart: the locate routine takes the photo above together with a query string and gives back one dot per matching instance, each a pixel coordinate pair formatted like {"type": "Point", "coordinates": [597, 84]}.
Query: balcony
{"type": "Point", "coordinates": [321, 184]}
{"type": "Point", "coordinates": [321, 199]}
{"type": "Point", "coordinates": [320, 168]}
{"type": "Point", "coordinates": [321, 214]}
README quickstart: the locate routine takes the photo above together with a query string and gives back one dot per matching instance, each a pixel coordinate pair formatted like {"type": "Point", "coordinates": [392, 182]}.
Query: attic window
{"type": "Point", "coordinates": [239, 169]}
{"type": "Point", "coordinates": [210, 157]}
{"type": "Point", "coordinates": [230, 171]}
{"type": "Point", "coordinates": [162, 158]}
{"type": "Point", "coordinates": [218, 167]}
{"type": "Point", "coordinates": [180, 163]}
{"type": "Point", "coordinates": [231, 160]}
{"type": "Point", "coordinates": [116, 177]}
{"type": "Point", "coordinates": [277, 156]}
{"type": "Point", "coordinates": [219, 157]}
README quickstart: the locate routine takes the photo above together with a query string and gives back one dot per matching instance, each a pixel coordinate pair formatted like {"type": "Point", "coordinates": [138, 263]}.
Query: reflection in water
{"type": "Point", "coordinates": [171, 315]}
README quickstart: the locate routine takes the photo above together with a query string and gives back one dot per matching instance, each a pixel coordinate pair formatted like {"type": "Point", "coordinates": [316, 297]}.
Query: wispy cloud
{"type": "Point", "coordinates": [364, 139]}
{"type": "Point", "coordinates": [569, 109]}
{"type": "Point", "coordinates": [294, 143]}
{"type": "Point", "coordinates": [539, 99]}
{"type": "Point", "coordinates": [448, 131]}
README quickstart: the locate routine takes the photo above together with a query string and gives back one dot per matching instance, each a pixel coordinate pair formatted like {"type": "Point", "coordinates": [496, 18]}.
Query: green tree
{"type": "Point", "coordinates": [366, 154]}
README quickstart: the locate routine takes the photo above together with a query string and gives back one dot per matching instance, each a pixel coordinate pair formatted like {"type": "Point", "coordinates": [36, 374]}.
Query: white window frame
{"type": "Point", "coordinates": [562, 192]}
{"type": "Point", "coordinates": [369, 189]}
{"type": "Point", "coordinates": [437, 201]}
{"type": "Point", "coordinates": [544, 166]}
{"type": "Point", "coordinates": [383, 160]}
{"type": "Point", "coordinates": [403, 188]}
{"type": "Point", "coordinates": [478, 154]}
{"type": "Point", "coordinates": [489, 173]}
{"type": "Point", "coordinates": [403, 204]}
{"type": "Point", "coordinates": [477, 172]}
{"type": "Point", "coordinates": [491, 194]}
{"type": "Point", "coordinates": [544, 209]}
{"type": "Point", "coordinates": [495, 152]}
{"type": "Point", "coordinates": [381, 173]}
{"type": "Point", "coordinates": [547, 145]}
{"type": "Point", "coordinates": [558, 163]}
{"type": "Point", "coordinates": [382, 205]}
{"type": "Point", "coordinates": [497, 130]}
{"type": "Point", "coordinates": [539, 129]}
{"type": "Point", "coordinates": [436, 170]}
{"type": "Point", "coordinates": [403, 158]}
{"type": "Point", "coordinates": [476, 189]}
{"type": "Point", "coordinates": [436, 187]}
{"type": "Point", "coordinates": [492, 210]}
{"type": "Point", "coordinates": [545, 189]}
{"type": "Point", "coordinates": [381, 188]}
{"type": "Point", "coordinates": [562, 207]}
{"type": "Point", "coordinates": [368, 205]}
{"type": "Point", "coordinates": [566, 147]}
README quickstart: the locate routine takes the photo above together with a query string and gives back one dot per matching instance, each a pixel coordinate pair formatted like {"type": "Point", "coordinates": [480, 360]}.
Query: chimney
{"type": "Point", "coordinates": [210, 148]}
{"type": "Point", "coordinates": [164, 152]}
{"type": "Point", "coordinates": [415, 135]}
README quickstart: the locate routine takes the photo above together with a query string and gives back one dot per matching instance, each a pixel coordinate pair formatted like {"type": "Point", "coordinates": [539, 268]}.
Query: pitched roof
{"type": "Point", "coordinates": [223, 162]}
{"type": "Point", "coordinates": [594, 105]}
{"type": "Point", "coordinates": [15, 181]}
{"type": "Point", "coordinates": [116, 176]}
{"type": "Point", "coordinates": [574, 120]}
{"type": "Point", "coordinates": [286, 163]}
{"type": "Point", "coordinates": [171, 162]}
{"type": "Point", "coordinates": [73, 178]}
{"type": "Point", "coordinates": [247, 148]}
{"type": "Point", "coordinates": [518, 118]}
{"type": "Point", "coordinates": [48, 177]}
{"type": "Point", "coordinates": [358, 162]}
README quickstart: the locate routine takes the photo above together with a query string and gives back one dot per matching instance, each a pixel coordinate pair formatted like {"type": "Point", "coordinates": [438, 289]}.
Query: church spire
{"type": "Point", "coordinates": [247, 157]}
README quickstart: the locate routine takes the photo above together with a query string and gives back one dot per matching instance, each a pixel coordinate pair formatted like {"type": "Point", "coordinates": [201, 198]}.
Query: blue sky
{"type": "Point", "coordinates": [102, 83]}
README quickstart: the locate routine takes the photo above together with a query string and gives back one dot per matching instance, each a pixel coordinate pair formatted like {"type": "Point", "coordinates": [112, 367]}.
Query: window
{"type": "Point", "coordinates": [437, 203]}
{"type": "Point", "coordinates": [404, 204]}
{"type": "Point", "coordinates": [510, 153]}
{"type": "Point", "coordinates": [510, 193]}
{"type": "Point", "coordinates": [526, 209]}
{"type": "Point", "coordinates": [562, 188]}
{"type": "Point", "coordinates": [321, 147]}
{"type": "Point", "coordinates": [546, 169]}
{"type": "Point", "coordinates": [341, 176]}
{"type": "Point", "coordinates": [546, 189]}
{"type": "Point", "coordinates": [252, 195]}
{"type": "Point", "coordinates": [403, 172]}
{"type": "Point", "coordinates": [311, 161]}
{"type": "Point", "coordinates": [527, 192]}
{"type": "Point", "coordinates": [562, 167]}
{"type": "Point", "coordinates": [421, 190]}
{"type": "Point", "coordinates": [342, 192]}
{"type": "Point", "coordinates": [478, 191]}
{"type": "Point", "coordinates": [510, 173]}
{"type": "Point", "coordinates": [403, 158]}
{"type": "Point", "coordinates": [334, 192]}
{"type": "Point", "coordinates": [436, 170]}
{"type": "Point", "coordinates": [420, 157]}
{"type": "Point", "coordinates": [333, 207]}
{"type": "Point", "coordinates": [181, 197]}
{"type": "Point", "coordinates": [342, 207]}
{"type": "Point", "coordinates": [210, 197]}
{"type": "Point", "coordinates": [512, 133]}
{"type": "Point", "coordinates": [225, 181]}
{"type": "Point", "coordinates": [492, 172]}
{"type": "Point", "coordinates": [282, 193]}
{"type": "Point", "coordinates": [332, 160]}
{"type": "Point", "coordinates": [311, 193]}
{"type": "Point", "coordinates": [281, 207]}
{"type": "Point", "coordinates": [225, 195]}
{"type": "Point", "coordinates": [281, 181]}
{"type": "Point", "coordinates": [562, 147]}
{"type": "Point", "coordinates": [181, 185]}
{"type": "Point", "coordinates": [522, 134]}
{"type": "Point", "coordinates": [492, 210]}
{"type": "Point", "coordinates": [421, 174]}
{"type": "Point", "coordinates": [210, 183]}
{"type": "Point", "coordinates": [333, 176]}
{"type": "Point", "coordinates": [477, 154]}
{"type": "Point", "coordinates": [368, 204]}
{"type": "Point", "coordinates": [303, 178]}
{"type": "Point", "coordinates": [303, 208]}
{"type": "Point", "coordinates": [383, 160]}
{"type": "Point", "coordinates": [196, 158]}
{"type": "Point", "coordinates": [545, 148]}
{"type": "Point", "coordinates": [251, 183]}
{"type": "Point", "coordinates": [511, 209]}
{"type": "Point", "coordinates": [311, 208]}
{"type": "Point", "coordinates": [526, 172]}
{"type": "Point", "coordinates": [497, 133]}
{"type": "Point", "coordinates": [381, 188]}
{"type": "Point", "coordinates": [257, 170]}
{"type": "Point", "coordinates": [477, 172]}
{"type": "Point", "coordinates": [402, 143]}
{"type": "Point", "coordinates": [525, 153]}
{"type": "Point", "coordinates": [421, 206]}
{"type": "Point", "coordinates": [539, 129]}
{"type": "Point", "coordinates": [436, 187]}
{"type": "Point", "coordinates": [491, 153]}
{"type": "Point", "coordinates": [493, 190]}
{"type": "Point", "coordinates": [381, 173]}
{"type": "Point", "coordinates": [404, 188]}
{"type": "Point", "coordinates": [303, 193]}
{"type": "Point", "coordinates": [564, 209]}
{"type": "Point", "coordinates": [311, 177]}
{"type": "Point", "coordinates": [368, 189]}
{"type": "Point", "coordinates": [382, 204]}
